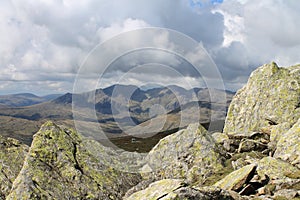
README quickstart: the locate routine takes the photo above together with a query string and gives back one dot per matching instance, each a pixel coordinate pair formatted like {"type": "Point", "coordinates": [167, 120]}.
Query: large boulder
{"type": "Point", "coordinates": [281, 178]}
{"type": "Point", "coordinates": [12, 156]}
{"type": "Point", "coordinates": [288, 146]}
{"type": "Point", "coordinates": [190, 154]}
{"type": "Point", "coordinates": [277, 169]}
{"type": "Point", "coordinates": [59, 166]}
{"type": "Point", "coordinates": [271, 96]}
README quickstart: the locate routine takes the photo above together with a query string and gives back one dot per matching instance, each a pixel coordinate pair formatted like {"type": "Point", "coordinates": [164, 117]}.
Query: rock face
{"type": "Point", "coordinates": [272, 95]}
{"type": "Point", "coordinates": [12, 155]}
{"type": "Point", "coordinates": [188, 154]}
{"type": "Point", "coordinates": [58, 166]}
{"type": "Point", "coordinates": [288, 146]}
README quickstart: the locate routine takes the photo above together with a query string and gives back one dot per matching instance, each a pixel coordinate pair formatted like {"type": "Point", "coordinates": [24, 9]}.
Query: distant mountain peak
{"type": "Point", "coordinates": [24, 99]}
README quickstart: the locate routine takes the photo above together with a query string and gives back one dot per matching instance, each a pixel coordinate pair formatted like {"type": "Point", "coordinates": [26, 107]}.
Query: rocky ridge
{"type": "Point", "coordinates": [59, 166]}
{"type": "Point", "coordinates": [257, 156]}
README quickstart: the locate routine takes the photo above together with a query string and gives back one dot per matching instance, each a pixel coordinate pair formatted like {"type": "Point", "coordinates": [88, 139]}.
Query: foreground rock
{"type": "Point", "coordinates": [58, 166]}
{"type": "Point", "coordinates": [270, 97]}
{"type": "Point", "coordinates": [173, 189]}
{"type": "Point", "coordinates": [235, 180]}
{"type": "Point", "coordinates": [12, 155]}
{"type": "Point", "coordinates": [189, 154]}
{"type": "Point", "coordinates": [277, 169]}
{"type": "Point", "coordinates": [288, 146]}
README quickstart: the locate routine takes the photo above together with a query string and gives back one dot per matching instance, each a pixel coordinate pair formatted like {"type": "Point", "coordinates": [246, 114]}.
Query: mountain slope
{"type": "Point", "coordinates": [24, 99]}
{"type": "Point", "coordinates": [118, 109]}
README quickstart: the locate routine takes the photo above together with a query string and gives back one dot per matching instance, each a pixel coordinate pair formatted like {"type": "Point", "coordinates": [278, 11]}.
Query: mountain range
{"type": "Point", "coordinates": [24, 99]}
{"type": "Point", "coordinates": [121, 110]}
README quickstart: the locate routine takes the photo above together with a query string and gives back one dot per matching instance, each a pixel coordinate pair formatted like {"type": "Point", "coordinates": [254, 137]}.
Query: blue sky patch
{"type": "Point", "coordinates": [203, 3]}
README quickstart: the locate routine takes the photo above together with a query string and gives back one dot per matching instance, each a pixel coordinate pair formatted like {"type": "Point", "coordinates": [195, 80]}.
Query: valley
{"type": "Point", "coordinates": [130, 117]}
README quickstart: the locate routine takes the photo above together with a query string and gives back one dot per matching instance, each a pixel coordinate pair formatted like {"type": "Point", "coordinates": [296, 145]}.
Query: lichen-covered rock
{"type": "Point", "coordinates": [140, 186]}
{"type": "Point", "coordinates": [204, 193]}
{"type": "Point", "coordinates": [277, 169]}
{"type": "Point", "coordinates": [12, 156]}
{"type": "Point", "coordinates": [235, 180]}
{"type": "Point", "coordinates": [188, 154]}
{"type": "Point", "coordinates": [220, 137]}
{"type": "Point", "coordinates": [288, 146]}
{"type": "Point", "coordinates": [285, 194]}
{"type": "Point", "coordinates": [277, 131]}
{"type": "Point", "coordinates": [157, 190]}
{"type": "Point", "coordinates": [285, 183]}
{"type": "Point", "coordinates": [271, 96]}
{"type": "Point", "coordinates": [120, 160]}
{"type": "Point", "coordinates": [240, 160]}
{"type": "Point", "coordinates": [174, 189]}
{"type": "Point", "coordinates": [58, 166]}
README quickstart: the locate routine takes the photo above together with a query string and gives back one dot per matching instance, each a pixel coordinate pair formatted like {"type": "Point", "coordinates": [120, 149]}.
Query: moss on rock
{"type": "Point", "coordinates": [288, 146]}
{"type": "Point", "coordinates": [190, 154]}
{"type": "Point", "coordinates": [59, 166]}
{"type": "Point", "coordinates": [235, 180]}
{"type": "Point", "coordinates": [277, 169]}
{"type": "Point", "coordinates": [174, 189]}
{"type": "Point", "coordinates": [272, 93]}
{"type": "Point", "coordinates": [12, 156]}
{"type": "Point", "coordinates": [157, 190]}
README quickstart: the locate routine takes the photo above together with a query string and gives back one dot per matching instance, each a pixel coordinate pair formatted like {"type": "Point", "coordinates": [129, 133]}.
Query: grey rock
{"type": "Point", "coordinates": [59, 166]}
{"type": "Point", "coordinates": [271, 94]}
{"type": "Point", "coordinates": [286, 193]}
{"type": "Point", "coordinates": [12, 156]}
{"type": "Point", "coordinates": [188, 154]}
{"type": "Point", "coordinates": [277, 169]}
{"type": "Point", "coordinates": [288, 146]}
{"type": "Point", "coordinates": [173, 189]}
{"type": "Point", "coordinates": [235, 180]}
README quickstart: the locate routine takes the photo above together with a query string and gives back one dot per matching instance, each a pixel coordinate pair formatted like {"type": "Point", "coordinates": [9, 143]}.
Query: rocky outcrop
{"type": "Point", "coordinates": [270, 97]}
{"type": "Point", "coordinates": [189, 154]}
{"type": "Point", "coordinates": [59, 166]}
{"type": "Point", "coordinates": [12, 155]}
{"type": "Point", "coordinates": [258, 150]}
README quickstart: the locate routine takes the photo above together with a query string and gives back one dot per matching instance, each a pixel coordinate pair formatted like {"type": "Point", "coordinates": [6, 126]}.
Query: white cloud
{"type": "Point", "coordinates": [114, 29]}
{"type": "Point", "coordinates": [258, 32]}
{"type": "Point", "coordinates": [234, 28]}
{"type": "Point", "coordinates": [48, 40]}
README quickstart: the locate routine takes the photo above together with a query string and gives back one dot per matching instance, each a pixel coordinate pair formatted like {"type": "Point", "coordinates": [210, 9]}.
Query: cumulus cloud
{"type": "Point", "coordinates": [257, 32]}
{"type": "Point", "coordinates": [114, 29]}
{"type": "Point", "coordinates": [43, 43]}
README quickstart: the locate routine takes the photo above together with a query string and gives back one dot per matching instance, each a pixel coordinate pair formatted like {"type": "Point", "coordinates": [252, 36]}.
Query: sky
{"type": "Point", "coordinates": [45, 43]}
